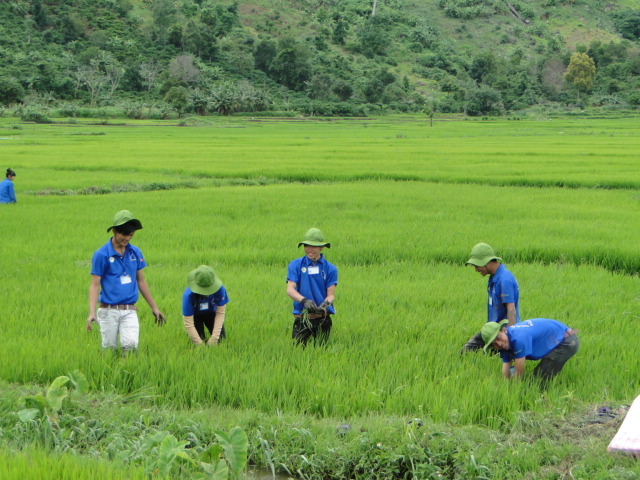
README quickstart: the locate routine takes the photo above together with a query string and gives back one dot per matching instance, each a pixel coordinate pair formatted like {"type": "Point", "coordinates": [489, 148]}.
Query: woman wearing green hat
{"type": "Point", "coordinates": [203, 305]}
{"type": "Point", "coordinates": [311, 284]}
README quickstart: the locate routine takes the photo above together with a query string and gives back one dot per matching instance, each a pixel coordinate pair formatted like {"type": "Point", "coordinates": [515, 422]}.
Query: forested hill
{"type": "Point", "coordinates": [318, 56]}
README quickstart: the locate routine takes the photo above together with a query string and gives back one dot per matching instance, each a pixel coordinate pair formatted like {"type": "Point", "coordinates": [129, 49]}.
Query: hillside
{"type": "Point", "coordinates": [335, 57]}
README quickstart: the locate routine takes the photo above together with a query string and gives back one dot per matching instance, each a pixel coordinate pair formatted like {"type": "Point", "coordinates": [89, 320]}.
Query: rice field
{"type": "Point", "coordinates": [402, 204]}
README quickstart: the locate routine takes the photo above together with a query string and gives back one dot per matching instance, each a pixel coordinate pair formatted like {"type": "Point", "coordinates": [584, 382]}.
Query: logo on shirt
{"type": "Point", "coordinates": [132, 257]}
{"type": "Point", "coordinates": [111, 259]}
{"type": "Point", "coordinates": [304, 269]}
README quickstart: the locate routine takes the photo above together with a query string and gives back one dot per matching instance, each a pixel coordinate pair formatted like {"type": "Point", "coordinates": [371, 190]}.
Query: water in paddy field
{"type": "Point", "coordinates": [255, 473]}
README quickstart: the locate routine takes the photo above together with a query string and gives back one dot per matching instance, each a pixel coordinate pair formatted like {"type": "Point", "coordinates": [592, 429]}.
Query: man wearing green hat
{"type": "Point", "coordinates": [550, 341]}
{"type": "Point", "coordinates": [502, 288]}
{"type": "Point", "coordinates": [203, 305]}
{"type": "Point", "coordinates": [311, 284]}
{"type": "Point", "coordinates": [116, 280]}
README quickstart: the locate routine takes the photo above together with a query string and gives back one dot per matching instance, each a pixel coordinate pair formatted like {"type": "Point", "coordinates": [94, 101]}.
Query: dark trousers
{"type": "Point", "coordinates": [474, 343]}
{"type": "Point", "coordinates": [201, 320]}
{"type": "Point", "coordinates": [552, 363]}
{"type": "Point", "coordinates": [318, 328]}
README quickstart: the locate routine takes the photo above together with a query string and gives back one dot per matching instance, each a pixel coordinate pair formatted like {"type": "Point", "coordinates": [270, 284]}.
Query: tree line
{"type": "Point", "coordinates": [336, 57]}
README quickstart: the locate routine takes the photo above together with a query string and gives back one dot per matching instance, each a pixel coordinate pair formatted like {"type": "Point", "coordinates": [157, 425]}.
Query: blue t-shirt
{"type": "Point", "coordinates": [502, 289]}
{"type": "Point", "coordinates": [7, 193]}
{"type": "Point", "coordinates": [312, 280]}
{"type": "Point", "coordinates": [533, 339]}
{"type": "Point", "coordinates": [208, 303]}
{"type": "Point", "coordinates": [117, 273]}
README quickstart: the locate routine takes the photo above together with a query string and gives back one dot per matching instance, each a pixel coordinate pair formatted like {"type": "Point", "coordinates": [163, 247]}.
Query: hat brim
{"type": "Point", "coordinates": [206, 290]}
{"type": "Point", "coordinates": [482, 261]}
{"type": "Point", "coordinates": [502, 324]}
{"type": "Point", "coordinates": [315, 244]}
{"type": "Point", "coordinates": [134, 222]}
{"type": "Point", "coordinates": [199, 289]}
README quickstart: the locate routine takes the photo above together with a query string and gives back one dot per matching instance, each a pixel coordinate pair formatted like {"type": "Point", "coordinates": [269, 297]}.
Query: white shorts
{"type": "Point", "coordinates": [123, 322]}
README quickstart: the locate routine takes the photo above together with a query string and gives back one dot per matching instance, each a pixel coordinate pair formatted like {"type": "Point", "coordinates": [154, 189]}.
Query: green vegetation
{"type": "Point", "coordinates": [402, 203]}
{"type": "Point", "coordinates": [314, 57]}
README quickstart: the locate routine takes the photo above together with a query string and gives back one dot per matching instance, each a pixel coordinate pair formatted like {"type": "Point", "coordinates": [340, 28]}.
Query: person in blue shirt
{"type": "Point", "coordinates": [204, 305]}
{"type": "Point", "coordinates": [7, 193]}
{"type": "Point", "coordinates": [311, 284]}
{"type": "Point", "coordinates": [116, 280]}
{"type": "Point", "coordinates": [502, 288]}
{"type": "Point", "coordinates": [550, 341]}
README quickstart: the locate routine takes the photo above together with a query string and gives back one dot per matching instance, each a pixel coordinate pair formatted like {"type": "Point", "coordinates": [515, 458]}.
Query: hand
{"type": "Point", "coordinates": [213, 341]}
{"type": "Point", "coordinates": [90, 320]}
{"type": "Point", "coordinates": [160, 320]}
{"type": "Point", "coordinates": [309, 304]}
{"type": "Point", "coordinates": [324, 305]}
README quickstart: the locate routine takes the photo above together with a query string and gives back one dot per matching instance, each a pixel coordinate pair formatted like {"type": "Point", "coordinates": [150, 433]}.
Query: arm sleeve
{"type": "Point", "coordinates": [191, 330]}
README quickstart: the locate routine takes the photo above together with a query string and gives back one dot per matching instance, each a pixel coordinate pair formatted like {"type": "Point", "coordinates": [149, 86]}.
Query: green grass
{"type": "Point", "coordinates": [405, 301]}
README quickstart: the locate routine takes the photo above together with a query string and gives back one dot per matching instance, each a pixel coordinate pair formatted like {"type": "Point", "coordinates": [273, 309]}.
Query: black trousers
{"type": "Point", "coordinates": [551, 364]}
{"type": "Point", "coordinates": [316, 328]}
{"type": "Point", "coordinates": [474, 343]}
{"type": "Point", "coordinates": [202, 320]}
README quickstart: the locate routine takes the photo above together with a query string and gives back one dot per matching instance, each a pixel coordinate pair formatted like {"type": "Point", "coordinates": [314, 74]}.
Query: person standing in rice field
{"type": "Point", "coordinates": [7, 192]}
{"type": "Point", "coordinates": [502, 288]}
{"type": "Point", "coordinates": [204, 305]}
{"type": "Point", "coordinates": [116, 281]}
{"type": "Point", "coordinates": [550, 341]}
{"type": "Point", "coordinates": [311, 284]}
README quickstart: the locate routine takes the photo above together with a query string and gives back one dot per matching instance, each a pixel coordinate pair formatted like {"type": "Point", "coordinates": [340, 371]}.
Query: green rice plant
{"type": "Point", "coordinates": [405, 301]}
{"type": "Point", "coordinates": [37, 464]}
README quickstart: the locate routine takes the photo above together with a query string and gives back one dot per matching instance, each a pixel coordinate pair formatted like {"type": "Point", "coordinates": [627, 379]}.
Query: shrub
{"type": "Point", "coordinates": [33, 114]}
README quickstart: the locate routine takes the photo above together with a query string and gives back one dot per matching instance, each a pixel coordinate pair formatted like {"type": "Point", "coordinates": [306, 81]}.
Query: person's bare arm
{"type": "Point", "coordinates": [94, 291]}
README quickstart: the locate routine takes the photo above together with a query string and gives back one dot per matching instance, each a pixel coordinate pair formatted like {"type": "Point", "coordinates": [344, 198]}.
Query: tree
{"type": "Point", "coordinates": [149, 72]}
{"type": "Point", "coordinates": [10, 91]}
{"type": "Point", "coordinates": [484, 101]}
{"type": "Point", "coordinates": [628, 23]}
{"type": "Point", "coordinates": [292, 66]}
{"type": "Point", "coordinates": [264, 54]}
{"type": "Point", "coordinates": [482, 66]}
{"type": "Point", "coordinates": [91, 78]}
{"type": "Point", "coordinates": [581, 71]}
{"type": "Point", "coordinates": [184, 70]}
{"type": "Point", "coordinates": [178, 98]}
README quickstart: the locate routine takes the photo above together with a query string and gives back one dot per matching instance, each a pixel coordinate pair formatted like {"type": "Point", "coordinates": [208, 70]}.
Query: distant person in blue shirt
{"type": "Point", "coordinates": [203, 305]}
{"type": "Point", "coordinates": [311, 284]}
{"type": "Point", "coordinates": [7, 193]}
{"type": "Point", "coordinates": [550, 341]}
{"type": "Point", "coordinates": [116, 279]}
{"type": "Point", "coordinates": [502, 288]}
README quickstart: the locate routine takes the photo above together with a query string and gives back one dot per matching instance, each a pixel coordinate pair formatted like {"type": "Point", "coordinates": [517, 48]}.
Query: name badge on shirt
{"type": "Point", "coordinates": [313, 270]}
{"type": "Point", "coordinates": [204, 306]}
{"type": "Point", "coordinates": [124, 279]}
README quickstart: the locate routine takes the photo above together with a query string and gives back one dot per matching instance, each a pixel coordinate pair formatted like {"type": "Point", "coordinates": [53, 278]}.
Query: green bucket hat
{"type": "Point", "coordinates": [481, 254]}
{"type": "Point", "coordinates": [490, 331]}
{"type": "Point", "coordinates": [315, 238]}
{"type": "Point", "coordinates": [203, 280]}
{"type": "Point", "coordinates": [125, 216]}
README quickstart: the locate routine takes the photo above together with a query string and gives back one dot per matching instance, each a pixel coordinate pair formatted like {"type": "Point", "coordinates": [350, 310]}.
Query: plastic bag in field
{"type": "Point", "coordinates": [627, 440]}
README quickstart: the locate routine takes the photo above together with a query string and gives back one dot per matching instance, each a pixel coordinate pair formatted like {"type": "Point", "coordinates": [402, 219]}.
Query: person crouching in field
{"type": "Point", "coordinates": [311, 284]}
{"type": "Point", "coordinates": [203, 305]}
{"type": "Point", "coordinates": [116, 274]}
{"type": "Point", "coordinates": [550, 341]}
